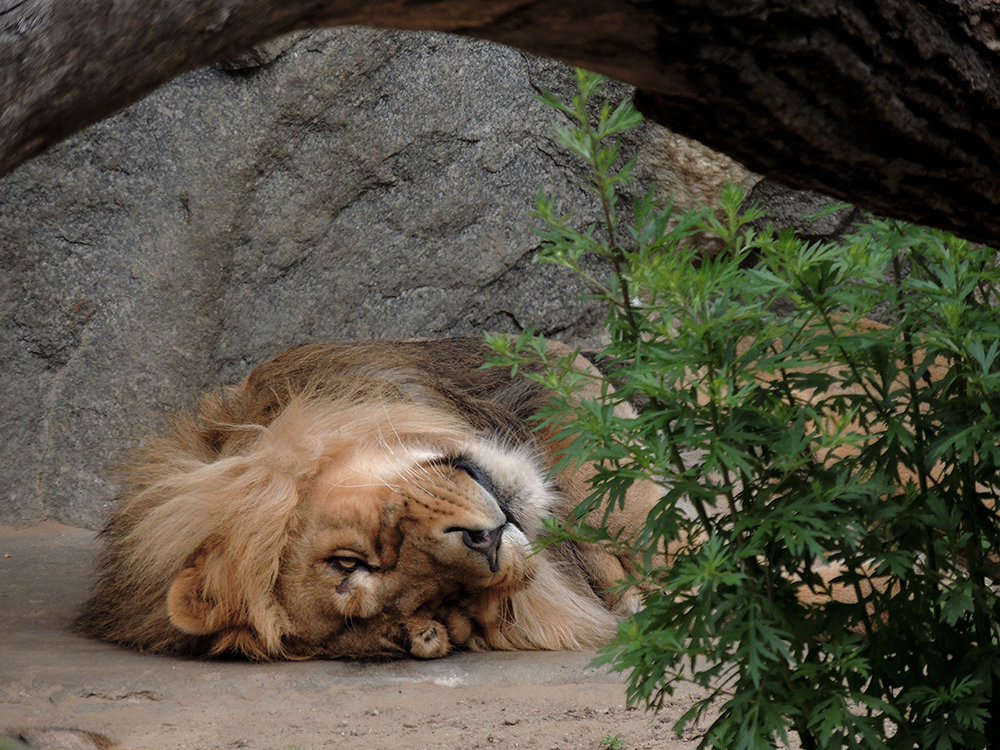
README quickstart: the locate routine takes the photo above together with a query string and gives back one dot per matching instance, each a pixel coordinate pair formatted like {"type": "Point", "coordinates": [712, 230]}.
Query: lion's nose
{"type": "Point", "coordinates": [486, 542]}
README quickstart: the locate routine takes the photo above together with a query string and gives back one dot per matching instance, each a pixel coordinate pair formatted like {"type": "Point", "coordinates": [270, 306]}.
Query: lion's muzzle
{"type": "Point", "coordinates": [485, 542]}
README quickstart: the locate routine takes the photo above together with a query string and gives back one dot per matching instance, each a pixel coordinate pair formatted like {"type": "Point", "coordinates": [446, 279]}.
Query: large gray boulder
{"type": "Point", "coordinates": [354, 184]}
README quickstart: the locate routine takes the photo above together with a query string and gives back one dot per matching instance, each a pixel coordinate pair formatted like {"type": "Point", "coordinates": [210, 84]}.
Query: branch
{"type": "Point", "coordinates": [890, 104]}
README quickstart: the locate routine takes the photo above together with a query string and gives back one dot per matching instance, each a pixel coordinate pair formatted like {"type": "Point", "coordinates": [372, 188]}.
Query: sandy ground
{"type": "Point", "coordinates": [51, 677]}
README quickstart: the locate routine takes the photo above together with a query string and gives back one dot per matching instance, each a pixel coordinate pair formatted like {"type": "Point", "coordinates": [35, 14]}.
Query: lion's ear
{"type": "Point", "coordinates": [189, 610]}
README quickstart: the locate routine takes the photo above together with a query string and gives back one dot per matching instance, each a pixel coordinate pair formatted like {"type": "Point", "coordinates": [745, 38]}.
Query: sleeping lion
{"type": "Point", "coordinates": [358, 500]}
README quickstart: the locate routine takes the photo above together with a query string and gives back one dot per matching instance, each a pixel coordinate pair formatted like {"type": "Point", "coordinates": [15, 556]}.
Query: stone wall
{"type": "Point", "coordinates": [363, 184]}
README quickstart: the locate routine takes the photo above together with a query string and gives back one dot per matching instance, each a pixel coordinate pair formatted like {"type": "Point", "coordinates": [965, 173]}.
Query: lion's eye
{"type": "Point", "coordinates": [346, 564]}
{"type": "Point", "coordinates": [477, 473]}
{"type": "Point", "coordinates": [483, 478]}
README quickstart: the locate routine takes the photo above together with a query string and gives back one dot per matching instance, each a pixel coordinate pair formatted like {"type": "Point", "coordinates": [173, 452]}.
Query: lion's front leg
{"type": "Point", "coordinates": [606, 566]}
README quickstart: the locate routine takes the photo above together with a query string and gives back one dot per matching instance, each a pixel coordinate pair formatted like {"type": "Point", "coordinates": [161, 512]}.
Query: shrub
{"type": "Point", "coordinates": [793, 438]}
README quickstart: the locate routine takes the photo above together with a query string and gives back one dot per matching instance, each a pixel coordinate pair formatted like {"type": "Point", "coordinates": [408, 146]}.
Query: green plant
{"type": "Point", "coordinates": [789, 437]}
{"type": "Point", "coordinates": [617, 742]}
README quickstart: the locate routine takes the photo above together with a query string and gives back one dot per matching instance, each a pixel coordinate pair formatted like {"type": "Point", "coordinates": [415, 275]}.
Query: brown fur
{"type": "Point", "coordinates": [238, 530]}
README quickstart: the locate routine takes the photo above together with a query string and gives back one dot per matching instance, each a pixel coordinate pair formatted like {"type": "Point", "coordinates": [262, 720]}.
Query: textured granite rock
{"type": "Point", "coordinates": [347, 184]}
{"type": "Point", "coordinates": [812, 216]}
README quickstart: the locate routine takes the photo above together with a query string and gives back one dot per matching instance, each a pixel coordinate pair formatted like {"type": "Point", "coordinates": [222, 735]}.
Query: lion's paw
{"type": "Point", "coordinates": [428, 639]}
{"type": "Point", "coordinates": [630, 602]}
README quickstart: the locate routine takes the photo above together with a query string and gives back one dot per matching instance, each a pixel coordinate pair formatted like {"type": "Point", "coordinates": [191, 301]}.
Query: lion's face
{"type": "Point", "coordinates": [392, 555]}
{"type": "Point", "coordinates": [352, 532]}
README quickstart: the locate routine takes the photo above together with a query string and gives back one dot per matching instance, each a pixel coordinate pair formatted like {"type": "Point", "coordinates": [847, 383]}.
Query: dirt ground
{"type": "Point", "coordinates": [51, 677]}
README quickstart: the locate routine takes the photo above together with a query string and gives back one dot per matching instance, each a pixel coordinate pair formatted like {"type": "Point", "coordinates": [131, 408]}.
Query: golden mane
{"type": "Point", "coordinates": [243, 505]}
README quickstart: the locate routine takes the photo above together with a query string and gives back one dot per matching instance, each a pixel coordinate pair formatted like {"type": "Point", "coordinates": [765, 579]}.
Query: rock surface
{"type": "Point", "coordinates": [347, 184]}
{"type": "Point", "coordinates": [812, 216]}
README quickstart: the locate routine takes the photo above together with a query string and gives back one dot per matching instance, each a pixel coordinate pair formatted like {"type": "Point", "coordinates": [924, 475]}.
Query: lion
{"type": "Point", "coordinates": [360, 500]}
